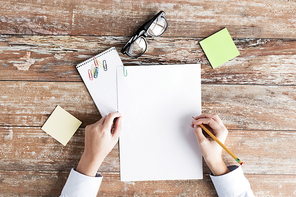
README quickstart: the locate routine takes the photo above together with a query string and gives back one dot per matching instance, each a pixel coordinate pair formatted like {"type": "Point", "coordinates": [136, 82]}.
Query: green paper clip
{"type": "Point", "coordinates": [124, 71]}
{"type": "Point", "coordinates": [96, 73]}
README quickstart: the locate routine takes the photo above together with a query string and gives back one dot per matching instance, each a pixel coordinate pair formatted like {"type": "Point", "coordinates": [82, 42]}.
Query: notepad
{"type": "Point", "coordinates": [99, 76]}
{"type": "Point", "coordinates": [219, 48]}
{"type": "Point", "coordinates": [61, 125]}
{"type": "Point", "coordinates": [157, 104]}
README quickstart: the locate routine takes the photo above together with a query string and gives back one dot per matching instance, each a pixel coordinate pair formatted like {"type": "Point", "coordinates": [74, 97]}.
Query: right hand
{"type": "Point", "coordinates": [210, 149]}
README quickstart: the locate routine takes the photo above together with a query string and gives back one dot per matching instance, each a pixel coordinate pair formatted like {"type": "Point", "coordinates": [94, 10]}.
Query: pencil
{"type": "Point", "coordinates": [220, 143]}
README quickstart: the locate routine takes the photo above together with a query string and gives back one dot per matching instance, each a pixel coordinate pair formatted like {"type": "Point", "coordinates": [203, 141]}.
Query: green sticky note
{"type": "Point", "coordinates": [219, 48]}
{"type": "Point", "coordinates": [61, 125]}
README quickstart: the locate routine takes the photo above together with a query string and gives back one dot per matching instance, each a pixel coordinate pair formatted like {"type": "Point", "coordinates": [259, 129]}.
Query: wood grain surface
{"type": "Point", "coordinates": [29, 148]}
{"type": "Point", "coordinates": [191, 18]}
{"type": "Point", "coordinates": [50, 183]}
{"type": "Point", "coordinates": [248, 107]}
{"type": "Point", "coordinates": [42, 41]}
{"type": "Point", "coordinates": [53, 58]}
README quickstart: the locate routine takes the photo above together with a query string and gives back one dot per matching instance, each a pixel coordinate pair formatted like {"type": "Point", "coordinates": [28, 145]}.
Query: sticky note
{"type": "Point", "coordinates": [61, 125]}
{"type": "Point", "coordinates": [219, 48]}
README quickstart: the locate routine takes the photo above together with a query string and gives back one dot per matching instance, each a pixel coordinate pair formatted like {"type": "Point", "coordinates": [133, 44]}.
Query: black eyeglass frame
{"type": "Point", "coordinates": [143, 32]}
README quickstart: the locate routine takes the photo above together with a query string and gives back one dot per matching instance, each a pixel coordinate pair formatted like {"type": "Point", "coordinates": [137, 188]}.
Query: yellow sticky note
{"type": "Point", "coordinates": [219, 48]}
{"type": "Point", "coordinates": [61, 125]}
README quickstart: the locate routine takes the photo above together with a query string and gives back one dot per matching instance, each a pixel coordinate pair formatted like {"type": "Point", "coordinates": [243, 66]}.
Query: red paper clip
{"type": "Point", "coordinates": [90, 75]}
{"type": "Point", "coordinates": [96, 62]}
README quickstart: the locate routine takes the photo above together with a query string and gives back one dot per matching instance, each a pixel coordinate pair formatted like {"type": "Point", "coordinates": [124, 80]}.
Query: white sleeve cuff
{"type": "Point", "coordinates": [81, 185]}
{"type": "Point", "coordinates": [232, 184]}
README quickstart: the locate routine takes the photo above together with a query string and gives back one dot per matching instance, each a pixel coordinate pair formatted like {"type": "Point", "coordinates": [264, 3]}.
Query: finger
{"type": "Point", "coordinates": [109, 120]}
{"type": "Point", "coordinates": [209, 115]}
{"type": "Point", "coordinates": [204, 115]}
{"type": "Point", "coordinates": [218, 130]}
{"type": "Point", "coordinates": [218, 119]}
{"type": "Point", "coordinates": [198, 133]}
{"type": "Point", "coordinates": [208, 121]}
{"type": "Point", "coordinates": [118, 127]}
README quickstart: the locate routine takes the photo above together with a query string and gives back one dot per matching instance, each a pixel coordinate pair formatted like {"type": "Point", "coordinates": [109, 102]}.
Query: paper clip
{"type": "Point", "coordinates": [96, 62]}
{"type": "Point", "coordinates": [92, 69]}
{"type": "Point", "coordinates": [105, 65]}
{"type": "Point", "coordinates": [96, 74]}
{"type": "Point", "coordinates": [124, 71]}
{"type": "Point", "coordinates": [90, 74]}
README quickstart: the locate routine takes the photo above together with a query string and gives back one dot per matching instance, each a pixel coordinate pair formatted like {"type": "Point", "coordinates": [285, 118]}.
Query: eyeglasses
{"type": "Point", "coordinates": [137, 45]}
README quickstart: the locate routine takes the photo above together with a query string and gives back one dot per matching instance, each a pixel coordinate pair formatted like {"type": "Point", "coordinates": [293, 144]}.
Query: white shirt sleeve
{"type": "Point", "coordinates": [232, 184]}
{"type": "Point", "coordinates": [81, 185]}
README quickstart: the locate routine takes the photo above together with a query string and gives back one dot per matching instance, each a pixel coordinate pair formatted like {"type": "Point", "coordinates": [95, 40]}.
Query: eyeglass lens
{"type": "Point", "coordinates": [138, 47]}
{"type": "Point", "coordinates": [157, 27]}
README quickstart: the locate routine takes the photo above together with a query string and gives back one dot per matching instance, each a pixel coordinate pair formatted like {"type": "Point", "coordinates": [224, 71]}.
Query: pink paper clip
{"type": "Point", "coordinates": [90, 75]}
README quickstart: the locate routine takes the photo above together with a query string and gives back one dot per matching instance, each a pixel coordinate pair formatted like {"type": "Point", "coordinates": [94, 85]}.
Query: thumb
{"type": "Point", "coordinates": [198, 133]}
{"type": "Point", "coordinates": [118, 126]}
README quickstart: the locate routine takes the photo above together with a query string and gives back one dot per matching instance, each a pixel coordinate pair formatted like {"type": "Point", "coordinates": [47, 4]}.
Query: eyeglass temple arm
{"type": "Point", "coordinates": [146, 25]}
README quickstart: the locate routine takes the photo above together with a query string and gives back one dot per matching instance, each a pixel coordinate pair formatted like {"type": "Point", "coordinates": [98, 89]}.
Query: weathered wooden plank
{"type": "Point", "coordinates": [262, 185]}
{"type": "Point", "coordinates": [31, 103]}
{"type": "Point", "coordinates": [273, 185]}
{"type": "Point", "coordinates": [252, 107]}
{"type": "Point", "coordinates": [112, 186]}
{"type": "Point", "coordinates": [268, 149]}
{"type": "Point", "coordinates": [25, 148]}
{"type": "Point", "coordinates": [32, 183]}
{"type": "Point", "coordinates": [240, 106]}
{"type": "Point", "coordinates": [50, 183]}
{"type": "Point", "coordinates": [53, 58]}
{"type": "Point", "coordinates": [246, 18]}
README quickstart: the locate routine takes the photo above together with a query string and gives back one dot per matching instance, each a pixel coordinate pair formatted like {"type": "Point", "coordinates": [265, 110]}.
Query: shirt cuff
{"type": "Point", "coordinates": [81, 185]}
{"type": "Point", "coordinates": [231, 184]}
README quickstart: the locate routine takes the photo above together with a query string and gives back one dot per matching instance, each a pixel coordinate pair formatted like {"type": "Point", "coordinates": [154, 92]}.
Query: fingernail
{"type": "Point", "coordinates": [195, 126]}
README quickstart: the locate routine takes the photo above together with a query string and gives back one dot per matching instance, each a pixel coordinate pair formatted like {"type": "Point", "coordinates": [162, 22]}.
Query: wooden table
{"type": "Point", "coordinates": [254, 94]}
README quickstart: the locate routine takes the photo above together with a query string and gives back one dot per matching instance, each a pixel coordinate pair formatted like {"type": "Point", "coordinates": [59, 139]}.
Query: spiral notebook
{"type": "Point", "coordinates": [99, 76]}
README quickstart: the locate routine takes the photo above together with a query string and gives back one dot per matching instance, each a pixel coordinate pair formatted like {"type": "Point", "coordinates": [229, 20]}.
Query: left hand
{"type": "Point", "coordinates": [99, 141]}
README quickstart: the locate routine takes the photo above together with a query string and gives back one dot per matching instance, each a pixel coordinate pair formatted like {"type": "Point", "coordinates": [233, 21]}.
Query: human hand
{"type": "Point", "coordinates": [100, 138]}
{"type": "Point", "coordinates": [210, 149]}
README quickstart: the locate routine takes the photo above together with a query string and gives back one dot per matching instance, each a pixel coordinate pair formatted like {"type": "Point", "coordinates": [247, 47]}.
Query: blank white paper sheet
{"type": "Point", "coordinates": [157, 141]}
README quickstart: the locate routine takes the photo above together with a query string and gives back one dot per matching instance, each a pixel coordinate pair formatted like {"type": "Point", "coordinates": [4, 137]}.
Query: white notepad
{"type": "Point", "coordinates": [157, 104]}
{"type": "Point", "coordinates": [99, 75]}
